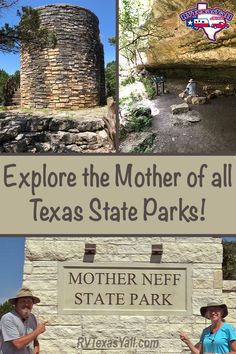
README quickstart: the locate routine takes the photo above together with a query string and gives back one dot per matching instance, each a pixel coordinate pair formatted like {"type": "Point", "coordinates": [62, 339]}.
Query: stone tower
{"type": "Point", "coordinates": [71, 75]}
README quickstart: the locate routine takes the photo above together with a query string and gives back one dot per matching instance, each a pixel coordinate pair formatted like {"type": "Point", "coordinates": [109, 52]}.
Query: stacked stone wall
{"type": "Point", "coordinates": [41, 274]}
{"type": "Point", "coordinates": [71, 75]}
{"type": "Point", "coordinates": [59, 133]}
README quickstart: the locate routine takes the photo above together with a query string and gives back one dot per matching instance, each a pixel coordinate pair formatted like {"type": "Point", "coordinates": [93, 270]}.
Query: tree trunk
{"type": "Point", "coordinates": [110, 121]}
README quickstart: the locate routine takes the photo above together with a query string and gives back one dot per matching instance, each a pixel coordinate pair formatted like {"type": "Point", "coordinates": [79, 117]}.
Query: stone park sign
{"type": "Point", "coordinates": [122, 288]}
{"type": "Point", "coordinates": [60, 272]}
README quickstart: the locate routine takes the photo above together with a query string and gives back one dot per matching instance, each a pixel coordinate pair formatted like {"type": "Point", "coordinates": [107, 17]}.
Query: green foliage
{"type": "Point", "coordinates": [129, 80]}
{"type": "Point", "coordinates": [229, 260]}
{"type": "Point", "coordinates": [139, 124]}
{"type": "Point", "coordinates": [17, 75]}
{"type": "Point", "coordinates": [3, 79]}
{"type": "Point", "coordinates": [11, 85]}
{"type": "Point", "coordinates": [5, 307]}
{"type": "Point", "coordinates": [8, 39]}
{"type": "Point", "coordinates": [110, 74]}
{"type": "Point", "coordinates": [31, 34]}
{"type": "Point", "coordinates": [128, 21]}
{"type": "Point", "coordinates": [7, 3]}
{"type": "Point", "coordinates": [146, 147]}
{"type": "Point", "coordinates": [135, 28]}
{"type": "Point", "coordinates": [130, 100]}
{"type": "Point", "coordinates": [112, 40]}
{"type": "Point", "coordinates": [149, 87]}
{"type": "Point", "coordinates": [140, 119]}
{"type": "Point", "coordinates": [122, 133]}
{"type": "Point", "coordinates": [27, 35]}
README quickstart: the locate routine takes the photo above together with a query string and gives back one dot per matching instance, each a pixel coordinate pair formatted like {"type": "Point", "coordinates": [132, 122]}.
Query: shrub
{"type": "Point", "coordinates": [149, 87]}
{"type": "Point", "coordinates": [140, 119]}
{"type": "Point", "coordinates": [110, 74]}
{"type": "Point", "coordinates": [5, 307]}
{"type": "Point", "coordinates": [129, 80]}
{"type": "Point", "coordinates": [146, 147]}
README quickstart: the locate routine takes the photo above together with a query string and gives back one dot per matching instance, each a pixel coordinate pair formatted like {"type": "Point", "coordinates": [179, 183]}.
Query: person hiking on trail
{"type": "Point", "coordinates": [191, 88]}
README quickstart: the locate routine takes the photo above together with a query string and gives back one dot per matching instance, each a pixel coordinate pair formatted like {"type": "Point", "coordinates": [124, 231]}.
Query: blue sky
{"type": "Point", "coordinates": [104, 9]}
{"type": "Point", "coordinates": [11, 265]}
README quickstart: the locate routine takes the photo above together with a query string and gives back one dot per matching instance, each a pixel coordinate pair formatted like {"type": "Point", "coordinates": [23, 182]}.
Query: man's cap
{"type": "Point", "coordinates": [203, 310]}
{"type": "Point", "coordinates": [24, 292]}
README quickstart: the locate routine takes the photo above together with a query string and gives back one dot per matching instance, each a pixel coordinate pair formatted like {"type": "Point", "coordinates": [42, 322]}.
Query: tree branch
{"type": "Point", "coordinates": [5, 4]}
{"type": "Point", "coordinates": [138, 37]}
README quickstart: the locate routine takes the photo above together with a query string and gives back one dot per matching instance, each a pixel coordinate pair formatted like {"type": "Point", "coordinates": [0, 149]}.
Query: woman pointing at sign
{"type": "Point", "coordinates": [219, 337]}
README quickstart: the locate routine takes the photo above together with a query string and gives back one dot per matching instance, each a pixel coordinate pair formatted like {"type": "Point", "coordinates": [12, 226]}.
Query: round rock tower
{"type": "Point", "coordinates": [71, 75]}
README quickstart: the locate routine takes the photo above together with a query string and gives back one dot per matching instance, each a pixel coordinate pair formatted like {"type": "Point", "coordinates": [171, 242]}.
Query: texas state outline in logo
{"type": "Point", "coordinates": [210, 20]}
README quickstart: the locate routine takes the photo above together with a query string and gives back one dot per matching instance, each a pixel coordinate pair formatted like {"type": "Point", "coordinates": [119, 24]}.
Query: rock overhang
{"type": "Point", "coordinates": [174, 45]}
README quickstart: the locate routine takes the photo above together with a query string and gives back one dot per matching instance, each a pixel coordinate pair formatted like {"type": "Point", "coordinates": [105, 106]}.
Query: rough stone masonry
{"type": "Point", "coordinates": [51, 132]}
{"type": "Point", "coordinates": [71, 75]}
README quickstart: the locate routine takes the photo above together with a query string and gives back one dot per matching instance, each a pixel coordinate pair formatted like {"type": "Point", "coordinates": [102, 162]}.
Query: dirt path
{"type": "Point", "coordinates": [215, 133]}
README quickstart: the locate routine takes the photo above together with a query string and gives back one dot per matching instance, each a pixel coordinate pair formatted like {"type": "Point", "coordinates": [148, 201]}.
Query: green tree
{"type": "Point", "coordinates": [112, 40]}
{"type": "Point", "coordinates": [110, 74]}
{"type": "Point", "coordinates": [7, 3]}
{"type": "Point", "coordinates": [28, 34]}
{"type": "Point", "coordinates": [3, 79]}
{"type": "Point", "coordinates": [5, 307]}
{"type": "Point", "coordinates": [4, 4]}
{"type": "Point", "coordinates": [136, 28]}
{"type": "Point", "coordinates": [10, 87]}
{"type": "Point", "coordinates": [229, 260]}
{"type": "Point", "coordinates": [31, 34]}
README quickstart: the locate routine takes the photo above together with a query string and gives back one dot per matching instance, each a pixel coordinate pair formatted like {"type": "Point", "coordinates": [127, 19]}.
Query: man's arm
{"type": "Point", "coordinates": [21, 342]}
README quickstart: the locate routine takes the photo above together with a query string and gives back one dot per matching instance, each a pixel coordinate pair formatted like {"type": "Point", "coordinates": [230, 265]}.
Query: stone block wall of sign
{"type": "Point", "coordinates": [71, 75]}
{"type": "Point", "coordinates": [40, 274]}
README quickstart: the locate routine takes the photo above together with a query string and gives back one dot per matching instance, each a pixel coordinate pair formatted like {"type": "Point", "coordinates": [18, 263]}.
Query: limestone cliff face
{"type": "Point", "coordinates": [173, 45]}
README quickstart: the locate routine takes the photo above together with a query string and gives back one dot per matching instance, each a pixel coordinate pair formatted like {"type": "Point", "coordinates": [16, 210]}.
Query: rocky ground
{"type": "Point", "coordinates": [190, 125]}
{"type": "Point", "coordinates": [41, 131]}
{"type": "Point", "coordinates": [213, 134]}
{"type": "Point", "coordinates": [141, 142]}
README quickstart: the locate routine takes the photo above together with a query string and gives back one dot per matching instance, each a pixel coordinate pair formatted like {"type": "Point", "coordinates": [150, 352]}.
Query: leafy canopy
{"type": "Point", "coordinates": [136, 28]}
{"type": "Point", "coordinates": [27, 35]}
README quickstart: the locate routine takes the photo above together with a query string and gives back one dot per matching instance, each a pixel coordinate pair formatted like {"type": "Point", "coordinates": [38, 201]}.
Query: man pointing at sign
{"type": "Point", "coordinates": [19, 329]}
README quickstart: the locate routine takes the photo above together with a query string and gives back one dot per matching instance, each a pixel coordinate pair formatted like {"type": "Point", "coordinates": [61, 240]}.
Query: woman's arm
{"type": "Point", "coordinates": [195, 349]}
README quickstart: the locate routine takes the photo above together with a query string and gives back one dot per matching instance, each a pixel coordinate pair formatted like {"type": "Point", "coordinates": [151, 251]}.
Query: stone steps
{"type": "Point", "coordinates": [15, 100]}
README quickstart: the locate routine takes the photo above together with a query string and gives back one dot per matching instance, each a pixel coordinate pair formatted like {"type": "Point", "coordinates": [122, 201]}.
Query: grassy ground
{"type": "Point", "coordinates": [93, 112]}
